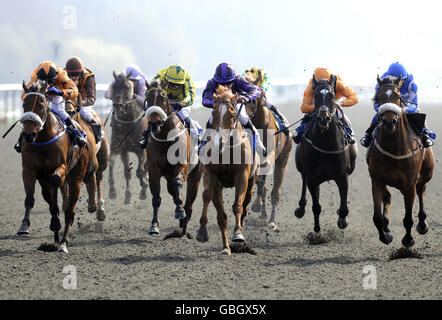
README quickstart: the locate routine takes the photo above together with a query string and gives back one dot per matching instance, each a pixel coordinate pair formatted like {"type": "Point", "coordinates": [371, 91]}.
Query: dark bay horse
{"type": "Point", "coordinates": [278, 153]}
{"type": "Point", "coordinates": [324, 153]}
{"type": "Point", "coordinates": [397, 159]}
{"type": "Point", "coordinates": [228, 163]}
{"type": "Point", "coordinates": [48, 156]}
{"type": "Point", "coordinates": [126, 113]}
{"type": "Point", "coordinates": [169, 155]}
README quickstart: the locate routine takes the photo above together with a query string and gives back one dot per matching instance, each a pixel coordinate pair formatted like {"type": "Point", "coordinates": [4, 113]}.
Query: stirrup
{"type": "Point", "coordinates": [427, 141]}
{"type": "Point", "coordinates": [297, 138]}
{"type": "Point", "coordinates": [17, 147]}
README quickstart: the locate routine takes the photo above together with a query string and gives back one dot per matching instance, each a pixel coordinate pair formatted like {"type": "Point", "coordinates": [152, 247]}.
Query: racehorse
{"type": "Point", "coordinates": [127, 119]}
{"type": "Point", "coordinates": [181, 165]}
{"type": "Point", "coordinates": [324, 153]}
{"type": "Point", "coordinates": [278, 152]}
{"type": "Point", "coordinates": [397, 159]}
{"type": "Point", "coordinates": [49, 157]}
{"type": "Point", "coordinates": [232, 165]}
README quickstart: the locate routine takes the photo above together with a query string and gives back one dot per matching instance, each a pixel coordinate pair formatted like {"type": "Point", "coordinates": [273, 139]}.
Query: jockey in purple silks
{"type": "Point", "coordinates": [248, 92]}
{"type": "Point", "coordinates": [139, 79]}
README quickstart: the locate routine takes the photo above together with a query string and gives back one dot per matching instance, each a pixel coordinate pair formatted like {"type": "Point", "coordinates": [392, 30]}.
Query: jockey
{"type": "Point", "coordinates": [62, 90]}
{"type": "Point", "coordinates": [84, 79]}
{"type": "Point", "coordinates": [260, 77]}
{"type": "Point", "coordinates": [308, 104]}
{"type": "Point", "coordinates": [181, 93]}
{"type": "Point", "coordinates": [139, 78]}
{"type": "Point", "coordinates": [248, 92]}
{"type": "Point", "coordinates": [409, 97]}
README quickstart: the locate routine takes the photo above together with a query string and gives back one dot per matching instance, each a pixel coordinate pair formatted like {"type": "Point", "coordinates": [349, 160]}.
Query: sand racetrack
{"type": "Point", "coordinates": [117, 259]}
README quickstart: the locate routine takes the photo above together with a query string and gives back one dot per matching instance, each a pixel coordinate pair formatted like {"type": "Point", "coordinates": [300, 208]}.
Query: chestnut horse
{"type": "Point", "coordinates": [48, 156]}
{"type": "Point", "coordinates": [126, 114]}
{"type": "Point", "coordinates": [229, 162]}
{"type": "Point", "coordinates": [324, 153]}
{"type": "Point", "coordinates": [278, 153]}
{"type": "Point", "coordinates": [397, 159]}
{"type": "Point", "coordinates": [169, 155]}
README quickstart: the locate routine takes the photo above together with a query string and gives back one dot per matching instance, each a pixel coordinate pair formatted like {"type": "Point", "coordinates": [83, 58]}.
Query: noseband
{"type": "Point", "coordinates": [31, 115]}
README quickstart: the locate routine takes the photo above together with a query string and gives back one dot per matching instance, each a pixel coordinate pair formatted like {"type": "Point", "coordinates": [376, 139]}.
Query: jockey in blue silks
{"type": "Point", "coordinates": [409, 97]}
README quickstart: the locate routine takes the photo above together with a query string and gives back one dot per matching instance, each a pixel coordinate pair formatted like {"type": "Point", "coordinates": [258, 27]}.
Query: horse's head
{"type": "Point", "coordinates": [224, 113]}
{"type": "Point", "coordinates": [121, 92]}
{"type": "Point", "coordinates": [388, 98]}
{"type": "Point", "coordinates": [35, 110]}
{"type": "Point", "coordinates": [157, 105]}
{"type": "Point", "coordinates": [324, 99]}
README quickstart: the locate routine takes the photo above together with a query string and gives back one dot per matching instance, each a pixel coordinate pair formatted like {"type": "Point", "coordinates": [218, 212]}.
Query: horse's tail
{"type": "Point", "coordinates": [157, 110]}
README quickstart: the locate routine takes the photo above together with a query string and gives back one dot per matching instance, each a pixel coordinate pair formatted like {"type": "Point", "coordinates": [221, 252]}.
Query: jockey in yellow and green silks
{"type": "Point", "coordinates": [181, 93]}
{"type": "Point", "coordinates": [260, 78]}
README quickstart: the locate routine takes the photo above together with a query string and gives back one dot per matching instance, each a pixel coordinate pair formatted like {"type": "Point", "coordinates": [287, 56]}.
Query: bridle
{"type": "Point", "coordinates": [32, 115]}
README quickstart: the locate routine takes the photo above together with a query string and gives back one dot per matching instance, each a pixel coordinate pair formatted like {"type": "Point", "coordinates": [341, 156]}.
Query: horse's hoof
{"type": "Point", "coordinates": [127, 199]}
{"type": "Point", "coordinates": [342, 223]}
{"type": "Point", "coordinates": [101, 216]}
{"type": "Point", "coordinates": [387, 238]}
{"type": "Point", "coordinates": [256, 207]}
{"type": "Point", "coordinates": [180, 214]}
{"type": "Point", "coordinates": [154, 229]}
{"type": "Point", "coordinates": [23, 230]}
{"type": "Point", "coordinates": [273, 226]}
{"type": "Point", "coordinates": [407, 242]}
{"type": "Point", "coordinates": [422, 228]}
{"type": "Point", "coordinates": [55, 225]}
{"type": "Point", "coordinates": [226, 252]}
{"type": "Point", "coordinates": [63, 248]}
{"type": "Point", "coordinates": [202, 235]}
{"type": "Point", "coordinates": [143, 195]}
{"type": "Point", "coordinates": [112, 194]}
{"type": "Point", "coordinates": [299, 213]}
{"type": "Point", "coordinates": [92, 209]}
{"type": "Point", "coordinates": [238, 237]}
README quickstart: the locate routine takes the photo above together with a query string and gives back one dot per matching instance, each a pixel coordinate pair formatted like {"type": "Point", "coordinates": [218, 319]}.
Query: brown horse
{"type": "Point", "coordinates": [397, 159]}
{"type": "Point", "coordinates": [229, 163]}
{"type": "Point", "coordinates": [169, 155]}
{"type": "Point", "coordinates": [48, 156]}
{"type": "Point", "coordinates": [278, 153]}
{"type": "Point", "coordinates": [126, 114]}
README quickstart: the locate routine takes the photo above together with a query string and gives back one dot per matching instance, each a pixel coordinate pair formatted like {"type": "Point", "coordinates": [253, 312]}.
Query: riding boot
{"type": "Point", "coordinates": [350, 135]}
{"type": "Point", "coordinates": [143, 142]}
{"type": "Point", "coordinates": [17, 146]}
{"type": "Point", "coordinates": [96, 128]}
{"type": "Point", "coordinates": [77, 138]}
{"type": "Point", "coordinates": [284, 121]}
{"type": "Point", "coordinates": [426, 140]}
{"type": "Point", "coordinates": [368, 138]}
{"type": "Point", "coordinates": [203, 140]}
{"type": "Point", "coordinates": [256, 137]}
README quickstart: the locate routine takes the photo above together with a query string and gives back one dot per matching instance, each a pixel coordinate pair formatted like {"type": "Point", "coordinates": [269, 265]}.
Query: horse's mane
{"type": "Point", "coordinates": [37, 86]}
{"type": "Point", "coordinates": [224, 92]}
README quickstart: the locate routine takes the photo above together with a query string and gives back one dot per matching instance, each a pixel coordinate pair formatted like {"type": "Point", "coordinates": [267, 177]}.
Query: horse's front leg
{"type": "Point", "coordinates": [378, 192]}
{"type": "Point", "coordinates": [29, 179]}
{"type": "Point", "coordinates": [278, 178]}
{"type": "Point", "coordinates": [193, 182]}
{"type": "Point", "coordinates": [202, 234]}
{"type": "Point", "coordinates": [221, 217]}
{"type": "Point", "coordinates": [91, 186]}
{"type": "Point", "coordinates": [316, 207]}
{"type": "Point", "coordinates": [342, 184]}
{"type": "Point", "coordinates": [112, 191]}
{"type": "Point", "coordinates": [155, 189]}
{"type": "Point", "coordinates": [241, 183]}
{"type": "Point", "coordinates": [174, 186]}
{"type": "Point", "coordinates": [141, 173]}
{"type": "Point", "coordinates": [300, 211]}
{"type": "Point", "coordinates": [127, 175]}
{"type": "Point", "coordinates": [259, 203]}
{"type": "Point", "coordinates": [69, 214]}
{"type": "Point", "coordinates": [409, 196]}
